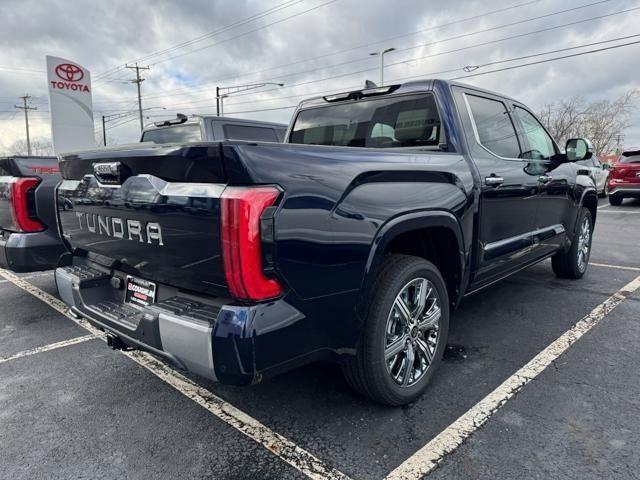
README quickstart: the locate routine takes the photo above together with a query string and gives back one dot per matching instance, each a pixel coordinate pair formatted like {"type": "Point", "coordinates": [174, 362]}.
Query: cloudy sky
{"type": "Point", "coordinates": [312, 46]}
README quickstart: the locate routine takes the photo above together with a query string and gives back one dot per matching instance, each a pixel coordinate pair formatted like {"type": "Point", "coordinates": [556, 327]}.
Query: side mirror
{"type": "Point", "coordinates": [578, 149]}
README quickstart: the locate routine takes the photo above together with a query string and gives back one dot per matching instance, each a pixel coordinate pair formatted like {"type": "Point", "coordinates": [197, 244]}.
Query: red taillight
{"type": "Point", "coordinates": [22, 205]}
{"type": "Point", "coordinates": [241, 243]}
{"type": "Point", "coordinates": [617, 171]}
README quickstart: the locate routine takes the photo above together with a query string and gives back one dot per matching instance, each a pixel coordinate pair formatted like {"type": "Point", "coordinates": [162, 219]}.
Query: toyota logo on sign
{"type": "Point", "coordinates": [69, 72]}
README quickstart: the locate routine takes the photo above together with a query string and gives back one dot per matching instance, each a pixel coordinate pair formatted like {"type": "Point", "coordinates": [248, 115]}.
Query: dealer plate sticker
{"type": "Point", "coordinates": [140, 292]}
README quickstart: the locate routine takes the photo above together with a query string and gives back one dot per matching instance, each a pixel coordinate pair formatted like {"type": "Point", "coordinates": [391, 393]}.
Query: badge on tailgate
{"type": "Point", "coordinates": [140, 292]}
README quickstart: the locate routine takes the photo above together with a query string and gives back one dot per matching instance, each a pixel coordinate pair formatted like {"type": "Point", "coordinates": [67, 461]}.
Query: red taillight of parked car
{"type": "Point", "coordinates": [23, 205]}
{"type": "Point", "coordinates": [241, 209]}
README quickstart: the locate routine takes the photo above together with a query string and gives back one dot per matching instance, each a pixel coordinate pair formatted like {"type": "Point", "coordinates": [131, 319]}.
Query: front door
{"type": "Point", "coordinates": [556, 179]}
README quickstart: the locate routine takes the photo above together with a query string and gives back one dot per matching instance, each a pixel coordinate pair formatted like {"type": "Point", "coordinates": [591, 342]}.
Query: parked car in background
{"type": "Point", "coordinates": [598, 172]}
{"type": "Point", "coordinates": [28, 232]}
{"type": "Point", "coordinates": [210, 128]}
{"type": "Point", "coordinates": [624, 177]}
{"type": "Point", "coordinates": [315, 250]}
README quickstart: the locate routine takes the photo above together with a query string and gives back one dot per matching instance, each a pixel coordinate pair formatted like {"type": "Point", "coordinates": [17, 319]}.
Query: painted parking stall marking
{"type": "Point", "coordinates": [47, 348]}
{"type": "Point", "coordinates": [425, 460]}
{"type": "Point", "coordinates": [621, 267]}
{"type": "Point", "coordinates": [286, 450]}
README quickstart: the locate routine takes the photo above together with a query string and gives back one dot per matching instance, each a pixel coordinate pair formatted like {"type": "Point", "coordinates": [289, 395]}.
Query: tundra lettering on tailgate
{"type": "Point", "coordinates": [126, 229]}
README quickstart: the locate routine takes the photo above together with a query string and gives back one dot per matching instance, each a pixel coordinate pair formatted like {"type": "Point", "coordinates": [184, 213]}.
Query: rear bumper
{"type": "Point", "coordinates": [29, 252]}
{"type": "Point", "coordinates": [211, 337]}
{"type": "Point", "coordinates": [623, 190]}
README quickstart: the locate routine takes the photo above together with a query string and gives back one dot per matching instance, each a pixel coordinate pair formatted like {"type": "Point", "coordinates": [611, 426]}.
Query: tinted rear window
{"type": "Point", "coordinates": [402, 121]}
{"type": "Point", "coordinates": [245, 132]}
{"type": "Point", "coordinates": [494, 127]}
{"type": "Point", "coordinates": [630, 157]}
{"type": "Point", "coordinates": [175, 134]}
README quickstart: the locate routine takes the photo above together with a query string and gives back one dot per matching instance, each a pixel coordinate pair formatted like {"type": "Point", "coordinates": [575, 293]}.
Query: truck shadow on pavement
{"type": "Point", "coordinates": [492, 335]}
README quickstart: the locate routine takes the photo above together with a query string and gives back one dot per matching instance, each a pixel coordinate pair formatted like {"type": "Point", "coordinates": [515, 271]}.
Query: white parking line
{"type": "Point", "coordinates": [46, 348]}
{"type": "Point", "coordinates": [626, 212]}
{"type": "Point", "coordinates": [288, 451]}
{"type": "Point", "coordinates": [33, 275]}
{"type": "Point", "coordinates": [428, 457]}
{"type": "Point", "coordinates": [620, 267]}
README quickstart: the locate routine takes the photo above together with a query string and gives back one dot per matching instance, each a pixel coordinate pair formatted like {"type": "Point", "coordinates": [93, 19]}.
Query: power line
{"type": "Point", "coordinates": [426, 75]}
{"type": "Point", "coordinates": [395, 37]}
{"type": "Point", "coordinates": [457, 37]}
{"type": "Point", "coordinates": [246, 33]}
{"type": "Point", "coordinates": [243, 34]}
{"type": "Point", "coordinates": [548, 60]}
{"type": "Point", "coordinates": [473, 33]}
{"type": "Point", "coordinates": [258, 15]}
{"type": "Point", "coordinates": [264, 13]}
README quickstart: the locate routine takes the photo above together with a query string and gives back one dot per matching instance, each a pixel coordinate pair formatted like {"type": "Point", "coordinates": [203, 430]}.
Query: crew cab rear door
{"type": "Point", "coordinates": [508, 191]}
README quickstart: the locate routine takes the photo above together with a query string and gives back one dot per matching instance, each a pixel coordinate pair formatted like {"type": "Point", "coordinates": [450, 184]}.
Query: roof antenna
{"type": "Point", "coordinates": [369, 84]}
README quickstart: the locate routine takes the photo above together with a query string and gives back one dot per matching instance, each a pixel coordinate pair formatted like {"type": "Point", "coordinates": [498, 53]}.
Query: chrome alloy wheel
{"type": "Point", "coordinates": [411, 333]}
{"type": "Point", "coordinates": [584, 244]}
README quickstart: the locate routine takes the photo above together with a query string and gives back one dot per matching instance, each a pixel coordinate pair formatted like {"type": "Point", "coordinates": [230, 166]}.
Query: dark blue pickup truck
{"type": "Point", "coordinates": [354, 241]}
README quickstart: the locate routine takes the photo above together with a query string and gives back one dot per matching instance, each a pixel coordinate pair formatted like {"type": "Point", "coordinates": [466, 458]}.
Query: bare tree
{"type": "Point", "coordinates": [599, 121]}
{"type": "Point", "coordinates": [39, 147]}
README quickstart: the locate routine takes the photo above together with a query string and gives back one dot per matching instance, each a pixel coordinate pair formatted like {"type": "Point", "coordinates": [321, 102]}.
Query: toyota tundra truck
{"type": "Point", "coordinates": [29, 238]}
{"type": "Point", "coordinates": [352, 242]}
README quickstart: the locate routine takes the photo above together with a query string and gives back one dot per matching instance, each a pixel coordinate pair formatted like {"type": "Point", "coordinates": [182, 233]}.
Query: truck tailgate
{"type": "Point", "coordinates": [153, 212]}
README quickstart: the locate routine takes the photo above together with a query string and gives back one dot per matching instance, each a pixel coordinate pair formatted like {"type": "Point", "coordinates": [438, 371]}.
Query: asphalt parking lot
{"type": "Point", "coordinates": [76, 409]}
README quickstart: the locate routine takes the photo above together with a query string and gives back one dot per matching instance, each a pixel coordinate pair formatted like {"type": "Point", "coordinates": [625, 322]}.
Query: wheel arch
{"type": "Point", "coordinates": [433, 235]}
{"type": "Point", "coordinates": [590, 202]}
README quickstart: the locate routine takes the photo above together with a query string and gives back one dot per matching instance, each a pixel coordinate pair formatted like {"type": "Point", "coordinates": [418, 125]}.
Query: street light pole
{"type": "Point", "coordinates": [218, 101]}
{"type": "Point", "coordinates": [126, 116]}
{"type": "Point", "coordinates": [381, 55]}
{"type": "Point", "coordinates": [237, 89]}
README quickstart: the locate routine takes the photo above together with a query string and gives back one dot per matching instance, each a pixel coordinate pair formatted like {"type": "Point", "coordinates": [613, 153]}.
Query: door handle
{"type": "Point", "coordinates": [493, 181]}
{"type": "Point", "coordinates": [544, 178]}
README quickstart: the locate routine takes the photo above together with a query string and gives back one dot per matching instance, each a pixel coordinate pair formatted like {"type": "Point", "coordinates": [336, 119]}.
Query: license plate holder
{"type": "Point", "coordinates": [140, 292]}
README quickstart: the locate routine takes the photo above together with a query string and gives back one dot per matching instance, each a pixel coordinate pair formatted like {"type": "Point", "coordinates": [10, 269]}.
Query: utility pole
{"type": "Point", "coordinates": [619, 138]}
{"type": "Point", "coordinates": [26, 109]}
{"type": "Point", "coordinates": [138, 80]}
{"type": "Point", "coordinates": [218, 101]}
{"type": "Point", "coordinates": [104, 131]}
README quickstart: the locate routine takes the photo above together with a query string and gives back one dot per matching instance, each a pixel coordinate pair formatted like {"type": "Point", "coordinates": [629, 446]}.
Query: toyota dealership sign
{"type": "Point", "coordinates": [70, 105]}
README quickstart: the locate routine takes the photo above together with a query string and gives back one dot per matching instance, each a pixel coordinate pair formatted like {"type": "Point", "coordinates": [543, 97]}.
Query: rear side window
{"type": "Point", "coordinates": [630, 157]}
{"type": "Point", "coordinates": [246, 132]}
{"type": "Point", "coordinates": [493, 126]}
{"type": "Point", "coordinates": [176, 134]}
{"type": "Point", "coordinates": [392, 122]}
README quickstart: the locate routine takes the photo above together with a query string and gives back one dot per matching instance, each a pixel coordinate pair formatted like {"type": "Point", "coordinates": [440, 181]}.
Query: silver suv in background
{"type": "Point", "coordinates": [598, 171]}
{"type": "Point", "coordinates": [210, 128]}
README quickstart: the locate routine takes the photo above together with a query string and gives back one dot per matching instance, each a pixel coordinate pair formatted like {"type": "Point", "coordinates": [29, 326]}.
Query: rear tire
{"type": "Point", "coordinates": [573, 263]}
{"type": "Point", "coordinates": [615, 200]}
{"type": "Point", "coordinates": [418, 333]}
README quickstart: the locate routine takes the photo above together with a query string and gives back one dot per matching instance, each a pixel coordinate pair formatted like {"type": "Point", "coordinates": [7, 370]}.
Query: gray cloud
{"type": "Point", "coordinates": [104, 35]}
